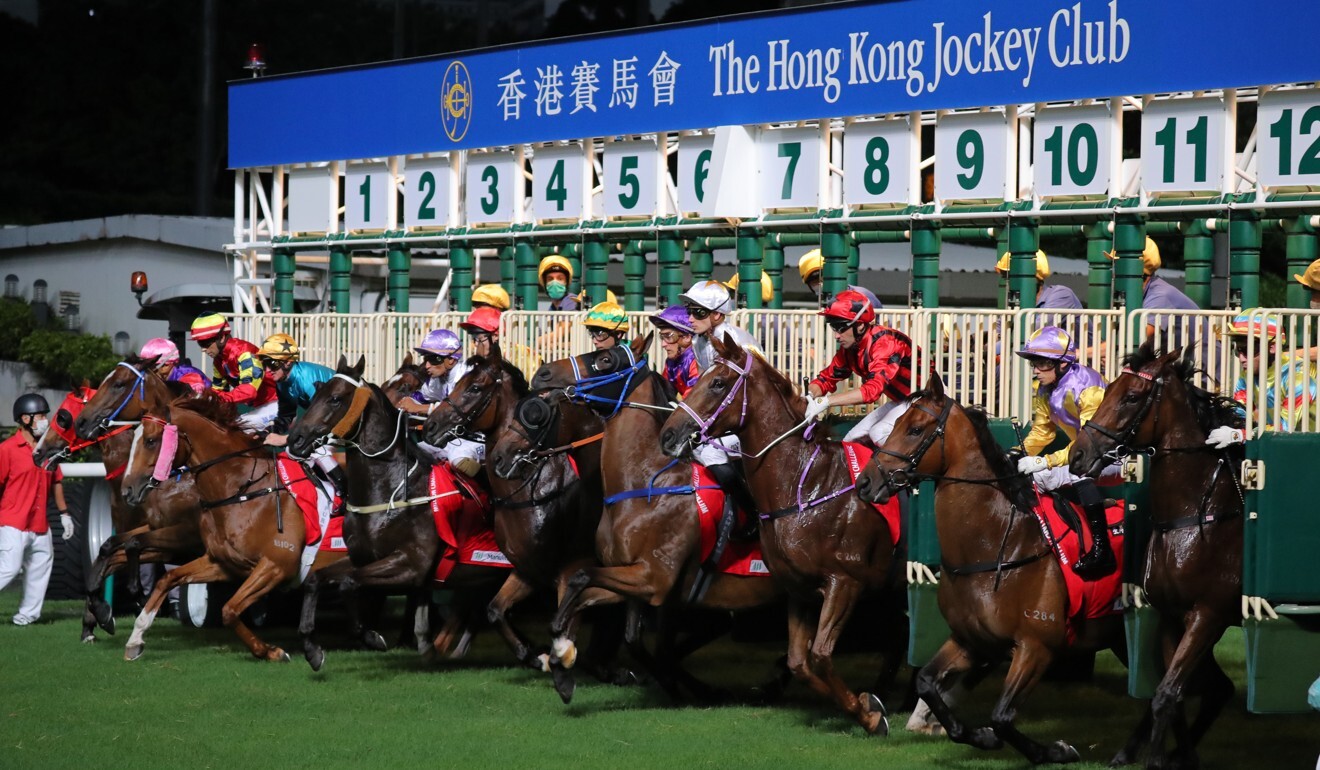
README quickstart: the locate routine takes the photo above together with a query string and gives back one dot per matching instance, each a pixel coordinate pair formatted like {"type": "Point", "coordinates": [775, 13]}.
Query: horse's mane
{"type": "Point", "coordinates": [1017, 487]}
{"type": "Point", "coordinates": [788, 391]}
{"type": "Point", "coordinates": [520, 386]}
{"type": "Point", "coordinates": [209, 407]}
{"type": "Point", "coordinates": [667, 390]}
{"type": "Point", "coordinates": [1211, 409]}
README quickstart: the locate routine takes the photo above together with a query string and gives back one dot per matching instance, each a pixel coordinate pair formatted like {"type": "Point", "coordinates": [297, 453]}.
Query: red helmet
{"type": "Point", "coordinates": [483, 319]}
{"type": "Point", "coordinates": [851, 307]}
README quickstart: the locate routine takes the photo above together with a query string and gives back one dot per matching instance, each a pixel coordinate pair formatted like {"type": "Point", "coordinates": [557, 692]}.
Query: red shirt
{"type": "Point", "coordinates": [238, 376]}
{"type": "Point", "coordinates": [882, 358]}
{"type": "Point", "coordinates": [23, 487]}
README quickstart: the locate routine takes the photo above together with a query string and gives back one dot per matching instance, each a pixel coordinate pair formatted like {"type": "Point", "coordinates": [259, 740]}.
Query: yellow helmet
{"type": "Point", "coordinates": [582, 296]}
{"type": "Point", "coordinates": [208, 327]}
{"type": "Point", "coordinates": [492, 294]}
{"type": "Point", "coordinates": [1311, 278]}
{"type": "Point", "coordinates": [1150, 257]}
{"type": "Point", "coordinates": [767, 286]}
{"type": "Point", "coordinates": [1042, 265]}
{"type": "Point", "coordinates": [811, 262]}
{"type": "Point", "coordinates": [608, 316]}
{"type": "Point", "coordinates": [280, 347]}
{"type": "Point", "coordinates": [554, 262]}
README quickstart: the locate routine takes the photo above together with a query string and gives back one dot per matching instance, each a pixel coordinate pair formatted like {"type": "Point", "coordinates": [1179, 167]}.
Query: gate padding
{"type": "Point", "coordinates": [1282, 532]}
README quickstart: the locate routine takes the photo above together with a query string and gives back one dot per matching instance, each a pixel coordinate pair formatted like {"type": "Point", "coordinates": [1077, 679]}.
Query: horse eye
{"type": "Point", "coordinates": [915, 430]}
{"type": "Point", "coordinates": [717, 383]}
{"type": "Point", "coordinates": [1132, 397]}
{"type": "Point", "coordinates": [334, 399]}
{"type": "Point", "coordinates": [474, 388]}
{"type": "Point", "coordinates": [152, 442]}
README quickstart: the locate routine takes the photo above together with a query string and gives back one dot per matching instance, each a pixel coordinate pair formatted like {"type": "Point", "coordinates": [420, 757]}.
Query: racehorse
{"type": "Point", "coordinates": [546, 518]}
{"type": "Point", "coordinates": [251, 525]}
{"type": "Point", "coordinates": [1193, 570]}
{"type": "Point", "coordinates": [408, 379]}
{"type": "Point", "coordinates": [824, 546]}
{"type": "Point", "coordinates": [1001, 591]}
{"type": "Point", "coordinates": [389, 528]}
{"type": "Point", "coordinates": [649, 546]}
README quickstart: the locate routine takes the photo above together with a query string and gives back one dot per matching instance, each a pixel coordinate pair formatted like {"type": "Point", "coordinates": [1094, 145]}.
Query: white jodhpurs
{"type": "Point", "coordinates": [33, 554]}
{"type": "Point", "coordinates": [878, 424]}
{"type": "Point", "coordinates": [1051, 479]}
{"type": "Point", "coordinates": [260, 418]}
{"type": "Point", "coordinates": [718, 451]}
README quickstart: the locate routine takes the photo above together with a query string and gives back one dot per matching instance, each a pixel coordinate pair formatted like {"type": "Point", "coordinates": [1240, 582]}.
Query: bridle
{"type": "Point", "coordinates": [139, 389]}
{"type": "Point", "coordinates": [903, 478]}
{"type": "Point", "coordinates": [583, 387]}
{"type": "Point", "coordinates": [1122, 440]}
{"type": "Point", "coordinates": [702, 434]}
{"type": "Point", "coordinates": [468, 416]}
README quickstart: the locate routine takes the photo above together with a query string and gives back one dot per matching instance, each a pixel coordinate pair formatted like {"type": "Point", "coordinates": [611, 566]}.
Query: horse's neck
{"type": "Point", "coordinates": [208, 441]}
{"type": "Point", "coordinates": [115, 450]}
{"type": "Point", "coordinates": [632, 437]}
{"type": "Point", "coordinates": [156, 391]}
{"type": "Point", "coordinates": [1174, 472]}
{"type": "Point", "coordinates": [374, 478]}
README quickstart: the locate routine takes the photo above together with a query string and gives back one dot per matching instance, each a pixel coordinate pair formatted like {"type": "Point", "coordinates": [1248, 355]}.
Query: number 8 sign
{"type": "Point", "coordinates": [880, 162]}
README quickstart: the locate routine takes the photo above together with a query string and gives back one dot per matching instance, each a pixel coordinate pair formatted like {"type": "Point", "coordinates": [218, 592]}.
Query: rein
{"type": "Point", "coordinates": [703, 435]}
{"type": "Point", "coordinates": [140, 389]}
{"type": "Point", "coordinates": [581, 388]}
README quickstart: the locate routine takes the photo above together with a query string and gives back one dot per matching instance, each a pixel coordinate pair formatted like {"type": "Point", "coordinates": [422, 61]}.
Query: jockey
{"type": "Point", "coordinates": [442, 354]}
{"type": "Point", "coordinates": [1067, 396]}
{"type": "Point", "coordinates": [237, 377]}
{"type": "Point", "coordinates": [295, 383]}
{"type": "Point", "coordinates": [767, 286]}
{"type": "Point", "coordinates": [491, 295]}
{"type": "Point", "coordinates": [1054, 296]}
{"type": "Point", "coordinates": [675, 327]}
{"type": "Point", "coordinates": [811, 267]}
{"type": "Point", "coordinates": [1311, 280]}
{"type": "Point", "coordinates": [881, 356]}
{"type": "Point", "coordinates": [1292, 377]}
{"type": "Point", "coordinates": [1158, 293]}
{"type": "Point", "coordinates": [555, 273]}
{"type": "Point", "coordinates": [709, 304]}
{"type": "Point", "coordinates": [169, 367]}
{"type": "Point", "coordinates": [607, 323]}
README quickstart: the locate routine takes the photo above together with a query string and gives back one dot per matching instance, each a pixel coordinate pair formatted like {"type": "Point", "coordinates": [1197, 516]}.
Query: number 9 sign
{"type": "Point", "coordinates": [974, 154]}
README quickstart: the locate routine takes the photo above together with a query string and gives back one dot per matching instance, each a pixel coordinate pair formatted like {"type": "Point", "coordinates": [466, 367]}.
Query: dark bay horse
{"type": "Point", "coordinates": [545, 519]}
{"type": "Point", "coordinates": [388, 528]}
{"type": "Point", "coordinates": [252, 527]}
{"type": "Point", "coordinates": [832, 548]}
{"type": "Point", "coordinates": [1004, 594]}
{"type": "Point", "coordinates": [649, 549]}
{"type": "Point", "coordinates": [1193, 569]}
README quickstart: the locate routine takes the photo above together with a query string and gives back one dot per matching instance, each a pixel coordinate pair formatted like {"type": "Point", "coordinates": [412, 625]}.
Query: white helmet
{"type": "Point", "coordinates": [712, 295]}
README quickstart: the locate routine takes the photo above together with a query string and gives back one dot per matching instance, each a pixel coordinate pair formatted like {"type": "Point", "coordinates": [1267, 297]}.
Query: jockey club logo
{"type": "Point", "coordinates": [456, 101]}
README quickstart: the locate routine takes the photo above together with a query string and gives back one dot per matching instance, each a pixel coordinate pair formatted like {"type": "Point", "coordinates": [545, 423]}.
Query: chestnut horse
{"type": "Point", "coordinates": [1193, 570]}
{"type": "Point", "coordinates": [545, 518]}
{"type": "Point", "coordinates": [252, 527]}
{"type": "Point", "coordinates": [389, 528]}
{"type": "Point", "coordinates": [1001, 591]}
{"type": "Point", "coordinates": [649, 546]}
{"type": "Point", "coordinates": [823, 545]}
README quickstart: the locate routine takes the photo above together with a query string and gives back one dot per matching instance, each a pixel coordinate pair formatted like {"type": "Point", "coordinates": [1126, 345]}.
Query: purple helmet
{"type": "Point", "coordinates": [675, 317]}
{"type": "Point", "coordinates": [441, 342]}
{"type": "Point", "coordinates": [1052, 343]}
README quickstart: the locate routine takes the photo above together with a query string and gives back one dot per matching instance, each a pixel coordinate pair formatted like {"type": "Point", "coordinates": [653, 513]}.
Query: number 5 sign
{"type": "Point", "coordinates": [632, 178]}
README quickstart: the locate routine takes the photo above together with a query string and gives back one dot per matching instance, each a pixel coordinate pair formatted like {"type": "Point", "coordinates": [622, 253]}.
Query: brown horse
{"type": "Point", "coordinates": [1001, 592]}
{"type": "Point", "coordinates": [650, 549]}
{"type": "Point", "coordinates": [823, 545]}
{"type": "Point", "coordinates": [252, 527]}
{"type": "Point", "coordinates": [1193, 570]}
{"type": "Point", "coordinates": [546, 516]}
{"type": "Point", "coordinates": [389, 528]}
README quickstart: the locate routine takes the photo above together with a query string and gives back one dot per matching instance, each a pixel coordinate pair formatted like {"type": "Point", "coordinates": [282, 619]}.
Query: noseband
{"type": "Point", "coordinates": [140, 389]}
{"type": "Point", "coordinates": [581, 389]}
{"type": "Point", "coordinates": [1122, 441]}
{"type": "Point", "coordinates": [902, 478]}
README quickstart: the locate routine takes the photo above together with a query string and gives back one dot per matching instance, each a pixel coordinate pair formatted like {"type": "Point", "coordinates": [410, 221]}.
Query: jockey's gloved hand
{"type": "Point", "coordinates": [1032, 464]}
{"type": "Point", "coordinates": [816, 406]}
{"type": "Point", "coordinates": [1224, 437]}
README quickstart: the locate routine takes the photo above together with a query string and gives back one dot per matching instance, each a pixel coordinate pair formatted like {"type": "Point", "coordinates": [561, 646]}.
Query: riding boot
{"type": "Point", "coordinates": [1099, 560]}
{"type": "Point", "coordinates": [734, 484]}
{"type": "Point", "coordinates": [729, 480]}
{"type": "Point", "coordinates": [339, 478]}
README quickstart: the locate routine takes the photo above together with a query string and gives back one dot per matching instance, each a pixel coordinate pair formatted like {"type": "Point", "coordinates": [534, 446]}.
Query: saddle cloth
{"type": "Point", "coordinates": [856, 456]}
{"type": "Point", "coordinates": [739, 558]}
{"type": "Point", "coordinates": [1086, 599]}
{"type": "Point", "coordinates": [461, 510]}
{"type": "Point", "coordinates": [315, 503]}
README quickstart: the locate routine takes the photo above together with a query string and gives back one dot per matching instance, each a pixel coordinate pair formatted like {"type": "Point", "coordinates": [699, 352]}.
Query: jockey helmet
{"type": "Point", "coordinates": [1311, 278]}
{"type": "Point", "coordinates": [30, 403]}
{"type": "Point", "coordinates": [674, 317]}
{"type": "Point", "coordinates": [492, 294]}
{"type": "Point", "coordinates": [767, 286]}
{"type": "Point", "coordinates": [483, 320]}
{"type": "Point", "coordinates": [164, 351]}
{"type": "Point", "coordinates": [581, 297]}
{"type": "Point", "coordinates": [711, 295]}
{"type": "Point", "coordinates": [1050, 343]}
{"type": "Point", "coordinates": [554, 262]}
{"type": "Point", "coordinates": [850, 307]}
{"type": "Point", "coordinates": [1150, 257]}
{"type": "Point", "coordinates": [811, 262]}
{"type": "Point", "coordinates": [1042, 265]}
{"type": "Point", "coordinates": [280, 347]}
{"type": "Point", "coordinates": [443, 343]}
{"type": "Point", "coordinates": [1252, 325]}
{"type": "Point", "coordinates": [209, 326]}
{"type": "Point", "coordinates": [608, 316]}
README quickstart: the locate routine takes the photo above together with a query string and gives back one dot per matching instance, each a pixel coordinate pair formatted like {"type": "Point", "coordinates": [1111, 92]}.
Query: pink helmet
{"type": "Point", "coordinates": [169, 354]}
{"type": "Point", "coordinates": [1052, 343]}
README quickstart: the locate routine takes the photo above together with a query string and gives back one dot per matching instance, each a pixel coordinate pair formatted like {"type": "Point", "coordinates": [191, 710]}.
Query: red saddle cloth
{"type": "Point", "coordinates": [303, 489]}
{"type": "Point", "coordinates": [333, 537]}
{"type": "Point", "coordinates": [461, 511]}
{"type": "Point", "coordinates": [857, 455]}
{"type": "Point", "coordinates": [1086, 599]}
{"type": "Point", "coordinates": [739, 558]}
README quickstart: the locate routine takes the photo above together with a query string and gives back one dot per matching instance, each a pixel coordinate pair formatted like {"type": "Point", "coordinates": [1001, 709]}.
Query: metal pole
{"type": "Point", "coordinates": [854, 259]}
{"type": "Point", "coordinates": [341, 278]}
{"type": "Point", "coordinates": [283, 262]}
{"type": "Point", "coordinates": [1129, 286]}
{"type": "Point", "coordinates": [1300, 251]}
{"type": "Point", "coordinates": [926, 243]}
{"type": "Point", "coordinates": [1100, 275]}
{"type": "Point", "coordinates": [1199, 256]}
{"type": "Point", "coordinates": [461, 262]}
{"type": "Point", "coordinates": [834, 251]}
{"type": "Point", "coordinates": [1001, 248]}
{"type": "Point", "coordinates": [749, 267]}
{"type": "Point", "coordinates": [595, 265]}
{"type": "Point", "coordinates": [400, 278]}
{"type": "Point", "coordinates": [702, 260]}
{"type": "Point", "coordinates": [1244, 258]}
{"type": "Point", "coordinates": [772, 262]}
{"type": "Point", "coordinates": [1023, 242]}
{"type": "Point", "coordinates": [508, 270]}
{"type": "Point", "coordinates": [573, 253]}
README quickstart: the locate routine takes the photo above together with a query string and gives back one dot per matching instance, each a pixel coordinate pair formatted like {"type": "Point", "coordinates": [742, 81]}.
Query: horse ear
{"type": "Point", "coordinates": [359, 367]}
{"type": "Point", "coordinates": [343, 364]}
{"type": "Point", "coordinates": [496, 355]}
{"type": "Point", "coordinates": [935, 384]}
{"type": "Point", "coordinates": [727, 350]}
{"type": "Point", "coordinates": [1148, 348]}
{"type": "Point", "coordinates": [642, 344]}
{"type": "Point", "coordinates": [407, 361]}
{"type": "Point", "coordinates": [149, 364]}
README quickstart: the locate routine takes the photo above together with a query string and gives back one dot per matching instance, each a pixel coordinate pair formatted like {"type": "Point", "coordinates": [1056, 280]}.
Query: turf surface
{"type": "Point", "coordinates": [196, 699]}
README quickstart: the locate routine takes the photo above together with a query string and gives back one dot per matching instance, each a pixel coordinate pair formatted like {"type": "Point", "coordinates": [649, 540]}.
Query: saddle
{"type": "Point", "coordinates": [1065, 529]}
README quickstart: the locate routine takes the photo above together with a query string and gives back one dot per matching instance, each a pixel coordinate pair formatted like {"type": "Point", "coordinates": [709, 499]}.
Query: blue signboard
{"type": "Point", "coordinates": [829, 61]}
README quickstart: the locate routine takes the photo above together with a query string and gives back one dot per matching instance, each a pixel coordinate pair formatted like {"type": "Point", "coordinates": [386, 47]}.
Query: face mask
{"type": "Point", "coordinates": [39, 428]}
{"type": "Point", "coordinates": [556, 289]}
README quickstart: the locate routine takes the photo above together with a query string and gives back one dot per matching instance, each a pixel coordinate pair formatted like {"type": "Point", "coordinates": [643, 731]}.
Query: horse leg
{"type": "Point", "coordinates": [1216, 691]}
{"type": "Point", "coordinates": [598, 585]}
{"type": "Point", "coordinates": [936, 679]}
{"type": "Point", "coordinates": [97, 611]}
{"type": "Point", "coordinates": [263, 578]}
{"type": "Point", "coordinates": [1199, 635]}
{"type": "Point", "coordinates": [397, 569]}
{"type": "Point", "coordinates": [201, 570]}
{"type": "Point", "coordinates": [514, 590]}
{"type": "Point", "coordinates": [840, 598]}
{"type": "Point", "coordinates": [329, 574]}
{"type": "Point", "coordinates": [1030, 659]}
{"type": "Point", "coordinates": [1128, 754]}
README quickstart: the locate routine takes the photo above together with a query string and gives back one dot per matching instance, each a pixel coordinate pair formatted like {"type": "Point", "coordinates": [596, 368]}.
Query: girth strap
{"type": "Point", "coordinates": [992, 566]}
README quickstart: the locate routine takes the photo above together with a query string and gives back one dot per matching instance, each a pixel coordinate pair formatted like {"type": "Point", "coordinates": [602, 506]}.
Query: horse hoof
{"type": "Point", "coordinates": [374, 641]}
{"type": "Point", "coordinates": [133, 651]}
{"type": "Point", "coordinates": [315, 658]}
{"type": "Point", "coordinates": [873, 716]}
{"type": "Point", "coordinates": [89, 638]}
{"type": "Point", "coordinates": [1063, 753]}
{"type": "Point", "coordinates": [985, 738]}
{"type": "Point", "coordinates": [565, 651]}
{"type": "Point", "coordinates": [565, 684]}
{"type": "Point", "coordinates": [276, 655]}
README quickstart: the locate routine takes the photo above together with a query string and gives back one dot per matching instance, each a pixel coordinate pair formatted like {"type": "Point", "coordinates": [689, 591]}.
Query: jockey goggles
{"type": "Point", "coordinates": [838, 325]}
{"type": "Point", "coordinates": [435, 360]}
{"type": "Point", "coordinates": [698, 312]}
